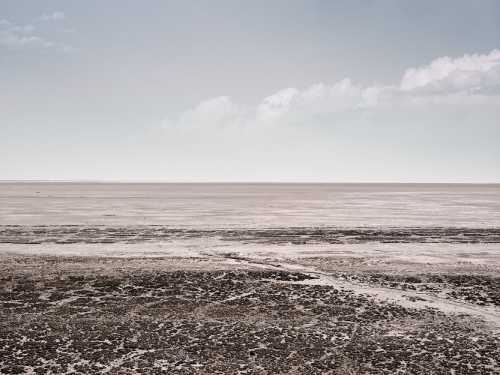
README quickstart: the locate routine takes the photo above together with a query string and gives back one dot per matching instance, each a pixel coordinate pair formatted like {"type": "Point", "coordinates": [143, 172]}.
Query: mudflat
{"type": "Point", "coordinates": [126, 297]}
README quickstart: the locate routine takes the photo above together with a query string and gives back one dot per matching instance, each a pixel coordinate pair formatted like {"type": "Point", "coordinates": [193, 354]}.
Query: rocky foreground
{"type": "Point", "coordinates": [77, 299]}
{"type": "Point", "coordinates": [78, 315]}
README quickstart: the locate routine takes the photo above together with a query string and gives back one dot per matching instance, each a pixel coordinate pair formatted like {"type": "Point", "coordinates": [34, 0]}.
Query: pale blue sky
{"type": "Point", "coordinates": [250, 91]}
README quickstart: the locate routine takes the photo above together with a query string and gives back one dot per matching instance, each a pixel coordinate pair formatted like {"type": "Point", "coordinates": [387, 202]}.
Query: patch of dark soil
{"type": "Point", "coordinates": [71, 234]}
{"type": "Point", "coordinates": [228, 323]}
{"type": "Point", "coordinates": [482, 290]}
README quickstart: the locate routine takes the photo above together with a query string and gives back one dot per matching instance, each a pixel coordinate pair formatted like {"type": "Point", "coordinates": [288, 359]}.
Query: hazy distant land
{"type": "Point", "coordinates": [249, 278]}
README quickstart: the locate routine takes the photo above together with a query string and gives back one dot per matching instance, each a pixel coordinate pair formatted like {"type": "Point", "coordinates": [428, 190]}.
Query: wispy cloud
{"type": "Point", "coordinates": [54, 16]}
{"type": "Point", "coordinates": [14, 36]}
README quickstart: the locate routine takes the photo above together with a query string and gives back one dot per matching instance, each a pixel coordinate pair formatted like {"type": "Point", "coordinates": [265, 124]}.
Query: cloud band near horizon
{"type": "Point", "coordinates": [469, 80]}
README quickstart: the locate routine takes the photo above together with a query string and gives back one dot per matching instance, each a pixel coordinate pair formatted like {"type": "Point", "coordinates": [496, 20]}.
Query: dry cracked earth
{"type": "Point", "coordinates": [87, 315]}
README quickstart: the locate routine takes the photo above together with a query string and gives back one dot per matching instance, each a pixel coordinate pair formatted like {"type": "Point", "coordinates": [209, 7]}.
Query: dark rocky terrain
{"type": "Point", "coordinates": [197, 309]}
{"type": "Point", "coordinates": [482, 290]}
{"type": "Point", "coordinates": [226, 322]}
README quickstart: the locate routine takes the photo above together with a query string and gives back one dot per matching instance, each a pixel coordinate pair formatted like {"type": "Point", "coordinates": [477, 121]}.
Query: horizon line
{"type": "Point", "coordinates": [97, 181]}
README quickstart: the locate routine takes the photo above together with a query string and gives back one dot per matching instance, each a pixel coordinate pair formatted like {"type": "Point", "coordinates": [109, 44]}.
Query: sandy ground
{"type": "Point", "coordinates": [251, 205]}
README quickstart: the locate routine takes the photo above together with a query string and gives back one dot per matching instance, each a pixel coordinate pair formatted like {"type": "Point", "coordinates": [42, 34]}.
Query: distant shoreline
{"type": "Point", "coordinates": [146, 182]}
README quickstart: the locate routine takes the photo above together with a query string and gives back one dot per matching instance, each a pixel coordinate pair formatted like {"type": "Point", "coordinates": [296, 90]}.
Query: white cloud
{"type": "Point", "coordinates": [293, 105]}
{"type": "Point", "coordinates": [11, 39]}
{"type": "Point", "coordinates": [14, 36]}
{"type": "Point", "coordinates": [445, 75]}
{"type": "Point", "coordinates": [221, 111]}
{"type": "Point", "coordinates": [470, 80]}
{"type": "Point", "coordinates": [276, 105]}
{"type": "Point", "coordinates": [26, 29]}
{"type": "Point", "coordinates": [54, 16]}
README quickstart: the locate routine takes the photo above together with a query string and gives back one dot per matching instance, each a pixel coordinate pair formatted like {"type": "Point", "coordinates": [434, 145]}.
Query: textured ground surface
{"type": "Point", "coordinates": [110, 315]}
{"type": "Point", "coordinates": [69, 234]}
{"type": "Point", "coordinates": [253, 322]}
{"type": "Point", "coordinates": [419, 300]}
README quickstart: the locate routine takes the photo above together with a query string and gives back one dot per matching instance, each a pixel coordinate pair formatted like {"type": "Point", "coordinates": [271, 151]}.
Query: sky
{"type": "Point", "coordinates": [278, 91]}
